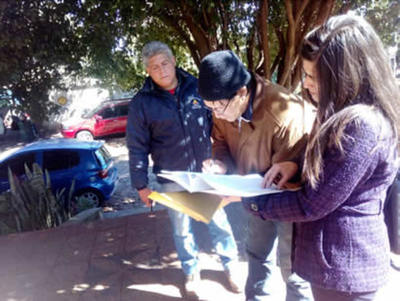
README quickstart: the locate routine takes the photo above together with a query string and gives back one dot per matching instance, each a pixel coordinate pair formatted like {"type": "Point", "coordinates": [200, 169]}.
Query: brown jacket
{"type": "Point", "coordinates": [277, 131]}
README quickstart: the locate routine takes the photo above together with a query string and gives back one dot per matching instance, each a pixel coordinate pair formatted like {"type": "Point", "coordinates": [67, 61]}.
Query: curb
{"type": "Point", "coordinates": [139, 210]}
{"type": "Point", "coordinates": [88, 215]}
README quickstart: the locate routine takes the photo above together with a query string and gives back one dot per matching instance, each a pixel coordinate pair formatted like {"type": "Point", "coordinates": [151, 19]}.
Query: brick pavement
{"type": "Point", "coordinates": [125, 258]}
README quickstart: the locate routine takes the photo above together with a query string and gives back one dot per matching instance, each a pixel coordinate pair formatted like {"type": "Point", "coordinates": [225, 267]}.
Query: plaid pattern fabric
{"type": "Point", "coordinates": [342, 241]}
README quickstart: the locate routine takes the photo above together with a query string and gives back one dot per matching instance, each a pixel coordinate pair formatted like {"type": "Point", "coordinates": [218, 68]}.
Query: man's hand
{"type": "Point", "coordinates": [214, 166]}
{"type": "Point", "coordinates": [226, 200]}
{"type": "Point", "coordinates": [144, 195]}
{"type": "Point", "coordinates": [279, 174]}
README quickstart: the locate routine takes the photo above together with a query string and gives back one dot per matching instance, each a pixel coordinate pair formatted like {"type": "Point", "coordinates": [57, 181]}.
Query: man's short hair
{"type": "Point", "coordinates": [153, 48]}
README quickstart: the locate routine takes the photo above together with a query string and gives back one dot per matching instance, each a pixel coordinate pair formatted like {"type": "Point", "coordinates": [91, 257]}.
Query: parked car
{"type": "Point", "coordinates": [87, 162]}
{"type": "Point", "coordinates": [107, 119]}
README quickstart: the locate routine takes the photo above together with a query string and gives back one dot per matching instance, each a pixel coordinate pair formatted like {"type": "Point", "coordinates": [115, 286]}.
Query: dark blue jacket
{"type": "Point", "coordinates": [174, 129]}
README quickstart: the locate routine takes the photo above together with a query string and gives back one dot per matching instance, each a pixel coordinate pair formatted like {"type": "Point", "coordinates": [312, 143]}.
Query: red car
{"type": "Point", "coordinates": [107, 119]}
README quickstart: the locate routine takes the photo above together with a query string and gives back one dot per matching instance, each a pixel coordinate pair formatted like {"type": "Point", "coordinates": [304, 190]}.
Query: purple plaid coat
{"type": "Point", "coordinates": [342, 242]}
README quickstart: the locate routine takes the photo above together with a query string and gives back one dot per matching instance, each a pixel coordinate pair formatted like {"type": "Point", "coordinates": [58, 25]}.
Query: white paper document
{"type": "Point", "coordinates": [230, 185]}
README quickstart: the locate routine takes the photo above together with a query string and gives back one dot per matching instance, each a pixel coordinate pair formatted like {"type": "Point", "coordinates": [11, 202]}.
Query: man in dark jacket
{"type": "Point", "coordinates": [167, 120]}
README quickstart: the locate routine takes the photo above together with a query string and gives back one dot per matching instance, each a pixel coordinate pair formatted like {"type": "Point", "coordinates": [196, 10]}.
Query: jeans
{"type": "Point", "coordinates": [186, 247]}
{"type": "Point", "coordinates": [262, 246]}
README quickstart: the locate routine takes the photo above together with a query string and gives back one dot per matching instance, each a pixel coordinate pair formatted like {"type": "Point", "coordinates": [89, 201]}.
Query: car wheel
{"type": "Point", "coordinates": [89, 198]}
{"type": "Point", "coordinates": [84, 135]}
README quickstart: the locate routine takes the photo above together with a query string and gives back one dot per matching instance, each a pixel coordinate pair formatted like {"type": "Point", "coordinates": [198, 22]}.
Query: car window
{"type": "Point", "coordinates": [108, 112]}
{"type": "Point", "coordinates": [17, 164]}
{"type": "Point", "coordinates": [122, 110]}
{"type": "Point", "coordinates": [103, 156]}
{"type": "Point", "coordinates": [60, 159]}
{"type": "Point", "coordinates": [88, 113]}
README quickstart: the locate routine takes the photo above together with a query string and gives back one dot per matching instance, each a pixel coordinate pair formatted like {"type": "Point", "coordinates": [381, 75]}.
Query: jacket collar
{"type": "Point", "coordinates": [248, 113]}
{"type": "Point", "coordinates": [258, 97]}
{"type": "Point", "coordinates": [257, 115]}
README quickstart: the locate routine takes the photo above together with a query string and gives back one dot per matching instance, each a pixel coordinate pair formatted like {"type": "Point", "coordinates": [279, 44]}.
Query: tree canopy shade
{"type": "Point", "coordinates": [38, 44]}
{"type": "Point", "coordinates": [266, 34]}
{"type": "Point", "coordinates": [42, 40]}
{"type": "Point", "coordinates": [384, 15]}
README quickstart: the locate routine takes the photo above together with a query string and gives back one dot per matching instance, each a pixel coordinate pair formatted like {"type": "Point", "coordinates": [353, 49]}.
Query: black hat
{"type": "Point", "coordinates": [221, 75]}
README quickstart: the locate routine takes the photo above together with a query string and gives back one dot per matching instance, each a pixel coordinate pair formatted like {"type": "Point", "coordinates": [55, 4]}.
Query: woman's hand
{"type": "Point", "coordinates": [214, 166]}
{"type": "Point", "coordinates": [279, 174]}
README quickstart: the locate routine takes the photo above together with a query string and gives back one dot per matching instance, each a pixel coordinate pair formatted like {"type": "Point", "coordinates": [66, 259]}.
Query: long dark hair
{"type": "Point", "coordinates": [354, 76]}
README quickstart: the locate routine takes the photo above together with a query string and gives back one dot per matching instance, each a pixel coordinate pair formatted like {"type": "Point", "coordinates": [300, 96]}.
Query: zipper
{"type": "Point", "coordinates": [181, 112]}
{"type": "Point", "coordinates": [185, 131]}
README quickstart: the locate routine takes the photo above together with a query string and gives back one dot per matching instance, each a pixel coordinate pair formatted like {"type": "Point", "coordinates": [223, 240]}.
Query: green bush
{"type": "Point", "coordinates": [31, 205]}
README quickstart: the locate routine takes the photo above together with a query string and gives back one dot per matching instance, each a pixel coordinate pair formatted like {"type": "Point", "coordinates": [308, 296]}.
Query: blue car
{"type": "Point", "coordinates": [87, 162]}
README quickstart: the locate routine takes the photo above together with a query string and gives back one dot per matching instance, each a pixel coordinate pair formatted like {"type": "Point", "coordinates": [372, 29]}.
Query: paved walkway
{"type": "Point", "coordinates": [126, 258]}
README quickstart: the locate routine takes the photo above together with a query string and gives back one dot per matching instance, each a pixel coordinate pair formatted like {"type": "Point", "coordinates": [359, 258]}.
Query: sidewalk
{"type": "Point", "coordinates": [126, 258]}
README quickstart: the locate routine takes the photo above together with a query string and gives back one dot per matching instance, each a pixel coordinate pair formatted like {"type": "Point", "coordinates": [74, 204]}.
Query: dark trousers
{"type": "Point", "coordinates": [321, 294]}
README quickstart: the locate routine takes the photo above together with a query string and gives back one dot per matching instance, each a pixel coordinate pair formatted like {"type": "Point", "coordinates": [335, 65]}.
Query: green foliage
{"type": "Point", "coordinates": [192, 29]}
{"type": "Point", "coordinates": [43, 41]}
{"type": "Point", "coordinates": [31, 205]}
{"type": "Point", "coordinates": [38, 45]}
{"type": "Point", "coordinates": [384, 15]}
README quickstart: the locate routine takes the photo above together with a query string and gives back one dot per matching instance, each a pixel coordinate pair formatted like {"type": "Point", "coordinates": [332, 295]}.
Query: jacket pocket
{"type": "Point", "coordinates": [319, 252]}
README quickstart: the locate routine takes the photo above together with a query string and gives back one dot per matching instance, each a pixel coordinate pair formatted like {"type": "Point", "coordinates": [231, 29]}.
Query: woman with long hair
{"type": "Point", "coordinates": [341, 244]}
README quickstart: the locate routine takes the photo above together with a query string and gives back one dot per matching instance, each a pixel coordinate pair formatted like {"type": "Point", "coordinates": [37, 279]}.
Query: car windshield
{"type": "Point", "coordinates": [87, 113]}
{"type": "Point", "coordinates": [103, 156]}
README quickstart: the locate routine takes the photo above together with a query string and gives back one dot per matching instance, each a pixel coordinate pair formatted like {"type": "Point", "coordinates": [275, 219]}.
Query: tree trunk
{"type": "Point", "coordinates": [290, 47]}
{"type": "Point", "coordinates": [250, 49]}
{"type": "Point", "coordinates": [263, 25]}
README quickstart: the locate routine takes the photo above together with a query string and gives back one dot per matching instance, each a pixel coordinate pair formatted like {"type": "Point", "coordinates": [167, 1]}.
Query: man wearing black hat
{"type": "Point", "coordinates": [168, 120]}
{"type": "Point", "coordinates": [256, 124]}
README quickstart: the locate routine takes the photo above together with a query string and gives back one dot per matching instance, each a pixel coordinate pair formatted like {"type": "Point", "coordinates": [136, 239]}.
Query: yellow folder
{"type": "Point", "coordinates": [200, 206]}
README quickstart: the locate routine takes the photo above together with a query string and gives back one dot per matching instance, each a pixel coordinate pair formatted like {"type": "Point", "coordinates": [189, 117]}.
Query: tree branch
{"type": "Point", "coordinates": [264, 39]}
{"type": "Point", "coordinates": [192, 46]}
{"type": "Point", "coordinates": [224, 19]}
{"type": "Point", "coordinates": [290, 47]}
{"type": "Point", "coordinates": [304, 4]}
{"type": "Point", "coordinates": [325, 9]}
{"type": "Point", "coordinates": [280, 55]}
{"type": "Point", "coordinates": [250, 48]}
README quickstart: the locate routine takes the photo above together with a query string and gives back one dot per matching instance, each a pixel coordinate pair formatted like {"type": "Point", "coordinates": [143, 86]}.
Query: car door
{"type": "Point", "coordinates": [62, 165]}
{"type": "Point", "coordinates": [122, 116]}
{"type": "Point", "coordinates": [16, 164]}
{"type": "Point", "coordinates": [105, 121]}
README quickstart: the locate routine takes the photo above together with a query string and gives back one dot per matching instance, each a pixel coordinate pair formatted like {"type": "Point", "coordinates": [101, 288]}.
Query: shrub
{"type": "Point", "coordinates": [31, 205]}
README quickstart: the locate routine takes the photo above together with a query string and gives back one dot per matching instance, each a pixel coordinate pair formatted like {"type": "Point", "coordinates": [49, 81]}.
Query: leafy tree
{"type": "Point", "coordinates": [266, 34]}
{"type": "Point", "coordinates": [43, 40]}
{"type": "Point", "coordinates": [384, 15]}
{"type": "Point", "coordinates": [38, 45]}
{"type": "Point", "coordinates": [103, 28]}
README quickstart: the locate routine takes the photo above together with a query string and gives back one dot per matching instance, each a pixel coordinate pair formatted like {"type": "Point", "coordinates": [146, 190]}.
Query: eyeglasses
{"type": "Point", "coordinates": [218, 105]}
